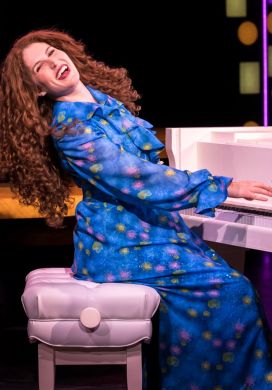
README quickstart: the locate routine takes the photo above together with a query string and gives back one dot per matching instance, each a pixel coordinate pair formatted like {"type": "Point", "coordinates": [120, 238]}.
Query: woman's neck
{"type": "Point", "coordinates": [79, 94]}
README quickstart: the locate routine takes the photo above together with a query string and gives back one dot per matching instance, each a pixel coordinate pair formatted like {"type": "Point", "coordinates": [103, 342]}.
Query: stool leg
{"type": "Point", "coordinates": [134, 367]}
{"type": "Point", "coordinates": [46, 367]}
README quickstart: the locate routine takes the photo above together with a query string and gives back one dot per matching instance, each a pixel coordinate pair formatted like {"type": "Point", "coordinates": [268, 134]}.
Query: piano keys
{"type": "Point", "coordinates": [244, 153]}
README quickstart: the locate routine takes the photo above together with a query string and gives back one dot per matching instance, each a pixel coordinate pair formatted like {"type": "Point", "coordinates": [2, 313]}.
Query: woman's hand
{"type": "Point", "coordinates": [249, 190]}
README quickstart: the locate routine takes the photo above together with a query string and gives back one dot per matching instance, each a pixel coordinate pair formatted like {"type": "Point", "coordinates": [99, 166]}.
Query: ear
{"type": "Point", "coordinates": [42, 93]}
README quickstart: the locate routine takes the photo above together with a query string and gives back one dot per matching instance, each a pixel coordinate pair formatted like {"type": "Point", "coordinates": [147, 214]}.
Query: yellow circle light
{"type": "Point", "coordinates": [269, 22]}
{"type": "Point", "coordinates": [247, 33]}
{"type": "Point", "coordinates": [251, 123]}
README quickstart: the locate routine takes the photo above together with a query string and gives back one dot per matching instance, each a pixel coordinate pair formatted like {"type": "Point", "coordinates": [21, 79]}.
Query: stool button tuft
{"type": "Point", "coordinates": [90, 317]}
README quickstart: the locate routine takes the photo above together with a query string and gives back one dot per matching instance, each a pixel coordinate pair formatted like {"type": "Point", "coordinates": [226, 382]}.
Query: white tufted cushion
{"type": "Point", "coordinates": [53, 301]}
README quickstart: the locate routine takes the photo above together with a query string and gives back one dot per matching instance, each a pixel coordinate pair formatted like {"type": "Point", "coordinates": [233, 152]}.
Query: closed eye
{"type": "Point", "coordinates": [51, 52]}
{"type": "Point", "coordinates": [38, 68]}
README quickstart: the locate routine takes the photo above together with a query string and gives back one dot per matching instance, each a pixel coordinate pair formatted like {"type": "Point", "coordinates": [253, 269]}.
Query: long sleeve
{"type": "Point", "coordinates": [93, 157]}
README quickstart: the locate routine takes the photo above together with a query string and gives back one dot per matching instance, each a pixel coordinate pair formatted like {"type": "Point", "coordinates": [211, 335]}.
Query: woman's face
{"type": "Point", "coordinates": [51, 69]}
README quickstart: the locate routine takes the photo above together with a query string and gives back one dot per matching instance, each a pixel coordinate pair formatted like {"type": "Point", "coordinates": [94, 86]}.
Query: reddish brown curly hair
{"type": "Point", "coordinates": [25, 146]}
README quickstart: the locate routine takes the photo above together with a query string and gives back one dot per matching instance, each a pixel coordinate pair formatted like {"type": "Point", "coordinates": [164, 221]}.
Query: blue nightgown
{"type": "Point", "coordinates": [211, 334]}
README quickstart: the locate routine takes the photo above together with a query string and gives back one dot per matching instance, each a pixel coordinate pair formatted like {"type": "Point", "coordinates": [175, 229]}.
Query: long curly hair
{"type": "Point", "coordinates": [26, 152]}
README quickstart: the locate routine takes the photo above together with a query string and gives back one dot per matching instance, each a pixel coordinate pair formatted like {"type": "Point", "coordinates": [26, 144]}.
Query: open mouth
{"type": "Point", "coordinates": [63, 72]}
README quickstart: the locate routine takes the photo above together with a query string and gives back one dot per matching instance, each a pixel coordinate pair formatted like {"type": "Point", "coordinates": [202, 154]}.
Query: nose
{"type": "Point", "coordinates": [52, 64]}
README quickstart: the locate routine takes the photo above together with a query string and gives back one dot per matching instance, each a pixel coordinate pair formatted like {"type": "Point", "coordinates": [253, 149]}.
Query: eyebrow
{"type": "Point", "coordinates": [36, 63]}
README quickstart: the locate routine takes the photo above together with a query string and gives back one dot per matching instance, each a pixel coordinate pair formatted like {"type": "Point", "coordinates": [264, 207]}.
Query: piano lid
{"type": "Point", "coordinates": [244, 153]}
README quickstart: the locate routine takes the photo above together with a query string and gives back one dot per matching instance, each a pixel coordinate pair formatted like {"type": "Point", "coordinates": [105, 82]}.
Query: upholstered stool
{"type": "Point", "coordinates": [81, 322]}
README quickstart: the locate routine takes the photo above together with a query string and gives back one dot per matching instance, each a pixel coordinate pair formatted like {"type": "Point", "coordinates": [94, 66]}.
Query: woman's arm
{"type": "Point", "coordinates": [93, 157]}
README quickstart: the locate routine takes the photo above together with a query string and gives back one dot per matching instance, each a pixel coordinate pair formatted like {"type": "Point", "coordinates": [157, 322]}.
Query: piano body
{"type": "Point", "coordinates": [244, 153]}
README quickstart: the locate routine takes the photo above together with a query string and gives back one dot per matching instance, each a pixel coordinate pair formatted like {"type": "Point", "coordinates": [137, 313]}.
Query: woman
{"type": "Point", "coordinates": [128, 225]}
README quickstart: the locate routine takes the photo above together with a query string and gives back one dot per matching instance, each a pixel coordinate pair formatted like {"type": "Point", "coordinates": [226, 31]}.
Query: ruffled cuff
{"type": "Point", "coordinates": [212, 195]}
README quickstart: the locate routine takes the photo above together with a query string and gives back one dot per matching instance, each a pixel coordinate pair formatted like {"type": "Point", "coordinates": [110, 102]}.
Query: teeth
{"type": "Point", "coordinates": [62, 70]}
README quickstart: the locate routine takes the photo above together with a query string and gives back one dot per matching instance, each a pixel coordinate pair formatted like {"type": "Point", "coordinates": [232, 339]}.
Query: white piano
{"type": "Point", "coordinates": [244, 153]}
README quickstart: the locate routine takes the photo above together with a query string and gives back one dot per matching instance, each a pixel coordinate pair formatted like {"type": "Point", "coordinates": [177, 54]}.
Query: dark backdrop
{"type": "Point", "coordinates": [183, 56]}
